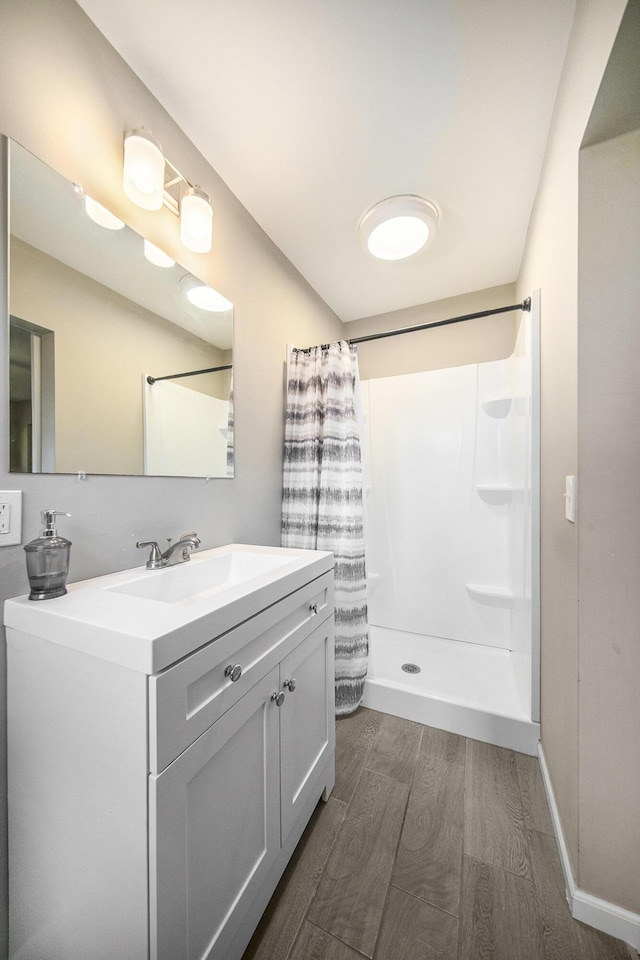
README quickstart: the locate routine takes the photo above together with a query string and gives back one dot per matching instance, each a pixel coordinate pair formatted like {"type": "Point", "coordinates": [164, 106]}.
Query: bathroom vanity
{"type": "Point", "coordinates": [170, 734]}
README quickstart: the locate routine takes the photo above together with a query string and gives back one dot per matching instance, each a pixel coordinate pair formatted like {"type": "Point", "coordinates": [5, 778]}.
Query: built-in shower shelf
{"type": "Point", "coordinates": [489, 594]}
{"type": "Point", "coordinates": [496, 493]}
{"type": "Point", "coordinates": [499, 406]}
{"type": "Point", "coordinates": [372, 581]}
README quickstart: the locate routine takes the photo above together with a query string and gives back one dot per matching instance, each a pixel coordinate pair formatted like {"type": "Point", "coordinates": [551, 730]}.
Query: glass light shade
{"type": "Point", "coordinates": [196, 220]}
{"type": "Point", "coordinates": [398, 238]}
{"type": "Point", "coordinates": [203, 296]}
{"type": "Point", "coordinates": [101, 216]}
{"type": "Point", "coordinates": [143, 178]}
{"type": "Point", "coordinates": [398, 227]}
{"type": "Point", "coordinates": [156, 256]}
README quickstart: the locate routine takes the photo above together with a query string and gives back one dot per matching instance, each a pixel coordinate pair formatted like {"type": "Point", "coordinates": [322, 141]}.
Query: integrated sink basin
{"type": "Point", "coordinates": [201, 577]}
{"type": "Point", "coordinates": [145, 620]}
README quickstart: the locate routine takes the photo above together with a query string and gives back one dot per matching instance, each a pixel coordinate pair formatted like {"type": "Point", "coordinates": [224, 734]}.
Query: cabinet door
{"type": "Point", "coordinates": [307, 726]}
{"type": "Point", "coordinates": [214, 829]}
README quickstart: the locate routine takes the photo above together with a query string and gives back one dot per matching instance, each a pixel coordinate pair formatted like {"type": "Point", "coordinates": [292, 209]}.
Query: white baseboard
{"type": "Point", "coordinates": [563, 850]}
{"type": "Point", "coordinates": [601, 914]}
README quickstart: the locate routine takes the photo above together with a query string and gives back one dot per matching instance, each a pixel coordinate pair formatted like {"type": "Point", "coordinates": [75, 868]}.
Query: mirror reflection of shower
{"type": "Point", "coordinates": [31, 398]}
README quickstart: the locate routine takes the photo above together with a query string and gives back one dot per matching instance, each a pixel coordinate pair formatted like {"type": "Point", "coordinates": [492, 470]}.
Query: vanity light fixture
{"type": "Point", "coordinates": [100, 215]}
{"type": "Point", "coordinates": [196, 220]}
{"type": "Point", "coordinates": [398, 227]}
{"type": "Point", "coordinates": [203, 296]}
{"type": "Point", "coordinates": [151, 181]}
{"type": "Point", "coordinates": [143, 175]}
{"type": "Point", "coordinates": [156, 256]}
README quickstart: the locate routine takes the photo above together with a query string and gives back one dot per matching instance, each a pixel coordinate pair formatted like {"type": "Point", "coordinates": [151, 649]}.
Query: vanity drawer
{"type": "Point", "coordinates": [185, 699]}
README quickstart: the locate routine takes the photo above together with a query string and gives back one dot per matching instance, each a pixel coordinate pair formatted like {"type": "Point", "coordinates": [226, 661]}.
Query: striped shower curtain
{"type": "Point", "coordinates": [322, 496]}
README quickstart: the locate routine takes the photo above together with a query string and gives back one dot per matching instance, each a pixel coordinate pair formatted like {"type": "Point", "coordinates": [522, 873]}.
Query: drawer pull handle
{"type": "Point", "coordinates": [233, 671]}
{"type": "Point", "coordinates": [290, 684]}
{"type": "Point", "coordinates": [313, 607]}
{"type": "Point", "coordinates": [278, 698]}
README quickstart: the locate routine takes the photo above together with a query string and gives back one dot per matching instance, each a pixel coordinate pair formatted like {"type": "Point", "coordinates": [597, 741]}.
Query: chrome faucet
{"type": "Point", "coordinates": [176, 552]}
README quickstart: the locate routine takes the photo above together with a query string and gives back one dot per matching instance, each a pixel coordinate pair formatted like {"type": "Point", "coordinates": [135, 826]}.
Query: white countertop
{"type": "Point", "coordinates": [148, 634]}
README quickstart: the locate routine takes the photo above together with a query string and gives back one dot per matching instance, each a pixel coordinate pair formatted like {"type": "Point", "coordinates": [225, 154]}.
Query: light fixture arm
{"type": "Point", "coordinates": [173, 179]}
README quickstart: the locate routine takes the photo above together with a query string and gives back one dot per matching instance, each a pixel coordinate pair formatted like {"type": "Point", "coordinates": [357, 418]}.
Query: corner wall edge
{"type": "Point", "coordinates": [585, 907]}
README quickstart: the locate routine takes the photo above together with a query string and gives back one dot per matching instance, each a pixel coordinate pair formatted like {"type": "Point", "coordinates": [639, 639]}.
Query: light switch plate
{"type": "Point", "coordinates": [10, 517]}
{"type": "Point", "coordinates": [570, 497]}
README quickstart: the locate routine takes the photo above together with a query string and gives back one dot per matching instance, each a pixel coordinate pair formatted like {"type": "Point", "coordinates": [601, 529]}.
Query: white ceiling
{"type": "Point", "coordinates": [313, 110]}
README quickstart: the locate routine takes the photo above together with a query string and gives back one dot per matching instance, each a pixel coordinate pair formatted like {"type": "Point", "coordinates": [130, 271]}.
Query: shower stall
{"type": "Point", "coordinates": [451, 528]}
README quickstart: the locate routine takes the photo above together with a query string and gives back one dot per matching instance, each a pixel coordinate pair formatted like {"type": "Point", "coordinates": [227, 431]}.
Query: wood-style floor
{"type": "Point", "coordinates": [431, 847]}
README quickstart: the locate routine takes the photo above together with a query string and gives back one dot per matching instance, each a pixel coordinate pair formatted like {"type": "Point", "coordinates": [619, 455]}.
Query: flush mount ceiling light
{"type": "Point", "coordinates": [156, 256]}
{"type": "Point", "coordinates": [398, 227]}
{"type": "Point", "coordinates": [151, 181]}
{"type": "Point", "coordinates": [203, 296]}
{"type": "Point", "coordinates": [100, 214]}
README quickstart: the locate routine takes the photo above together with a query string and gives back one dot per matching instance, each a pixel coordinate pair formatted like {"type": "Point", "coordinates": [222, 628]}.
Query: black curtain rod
{"type": "Point", "coordinates": [525, 305]}
{"type": "Point", "coordinates": [190, 373]}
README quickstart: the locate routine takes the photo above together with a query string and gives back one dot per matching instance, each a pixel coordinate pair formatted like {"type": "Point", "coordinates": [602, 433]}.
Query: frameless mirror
{"type": "Point", "coordinates": [113, 368]}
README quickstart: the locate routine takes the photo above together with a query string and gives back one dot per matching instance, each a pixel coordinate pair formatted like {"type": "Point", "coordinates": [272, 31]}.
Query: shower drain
{"type": "Point", "coordinates": [411, 668]}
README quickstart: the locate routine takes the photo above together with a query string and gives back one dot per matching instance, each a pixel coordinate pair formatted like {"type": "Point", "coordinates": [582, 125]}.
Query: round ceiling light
{"type": "Point", "coordinates": [203, 296]}
{"type": "Point", "coordinates": [398, 227]}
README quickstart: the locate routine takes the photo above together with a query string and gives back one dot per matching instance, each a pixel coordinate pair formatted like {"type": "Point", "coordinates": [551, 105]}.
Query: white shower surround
{"type": "Point", "coordinates": [451, 468]}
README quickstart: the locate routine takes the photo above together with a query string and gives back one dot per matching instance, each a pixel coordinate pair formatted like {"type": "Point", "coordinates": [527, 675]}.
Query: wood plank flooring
{"type": "Point", "coordinates": [431, 847]}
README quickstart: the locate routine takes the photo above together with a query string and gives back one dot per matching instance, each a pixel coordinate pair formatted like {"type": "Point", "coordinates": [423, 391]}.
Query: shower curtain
{"type": "Point", "coordinates": [322, 495]}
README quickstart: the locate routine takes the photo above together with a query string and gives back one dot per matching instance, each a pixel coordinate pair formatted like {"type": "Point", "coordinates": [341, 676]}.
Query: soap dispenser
{"type": "Point", "coordinates": [48, 559]}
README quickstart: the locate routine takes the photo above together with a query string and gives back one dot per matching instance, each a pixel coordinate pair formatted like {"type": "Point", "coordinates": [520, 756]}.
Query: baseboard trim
{"type": "Point", "coordinates": [563, 850]}
{"type": "Point", "coordinates": [598, 913]}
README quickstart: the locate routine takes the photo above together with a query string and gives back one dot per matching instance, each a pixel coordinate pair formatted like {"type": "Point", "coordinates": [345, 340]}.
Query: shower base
{"type": "Point", "coordinates": [465, 688]}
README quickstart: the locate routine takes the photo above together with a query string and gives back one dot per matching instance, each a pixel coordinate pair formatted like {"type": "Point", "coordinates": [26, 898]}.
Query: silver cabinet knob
{"type": "Point", "coordinates": [290, 684]}
{"type": "Point", "coordinates": [313, 607]}
{"type": "Point", "coordinates": [278, 698]}
{"type": "Point", "coordinates": [233, 671]}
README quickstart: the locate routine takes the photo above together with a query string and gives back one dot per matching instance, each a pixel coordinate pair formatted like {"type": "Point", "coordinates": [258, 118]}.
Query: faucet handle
{"type": "Point", "coordinates": [191, 536]}
{"type": "Point", "coordinates": [155, 557]}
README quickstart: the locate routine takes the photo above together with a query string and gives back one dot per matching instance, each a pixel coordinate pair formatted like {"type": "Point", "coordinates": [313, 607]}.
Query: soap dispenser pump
{"type": "Point", "coordinates": [48, 559]}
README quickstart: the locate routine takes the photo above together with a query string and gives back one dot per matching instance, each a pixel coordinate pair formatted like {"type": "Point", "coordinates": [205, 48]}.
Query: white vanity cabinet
{"type": "Point", "coordinates": [151, 815]}
{"type": "Point", "coordinates": [223, 810]}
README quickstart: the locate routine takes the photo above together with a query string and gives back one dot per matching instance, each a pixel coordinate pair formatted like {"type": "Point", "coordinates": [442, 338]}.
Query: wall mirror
{"type": "Point", "coordinates": [114, 368]}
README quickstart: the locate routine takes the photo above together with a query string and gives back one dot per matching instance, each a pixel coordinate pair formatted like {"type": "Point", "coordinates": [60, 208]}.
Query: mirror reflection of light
{"type": "Point", "coordinates": [203, 296]}
{"type": "Point", "coordinates": [102, 216]}
{"type": "Point", "coordinates": [156, 256]}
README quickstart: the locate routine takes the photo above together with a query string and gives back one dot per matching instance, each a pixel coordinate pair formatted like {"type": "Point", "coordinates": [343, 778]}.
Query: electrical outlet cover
{"type": "Point", "coordinates": [12, 499]}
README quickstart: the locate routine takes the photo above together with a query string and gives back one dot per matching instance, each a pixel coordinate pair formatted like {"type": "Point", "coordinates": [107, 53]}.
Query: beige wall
{"type": "Point", "coordinates": [490, 338]}
{"type": "Point", "coordinates": [609, 522]}
{"type": "Point", "coordinates": [104, 344]}
{"type": "Point", "coordinates": [551, 263]}
{"type": "Point", "coordinates": [66, 96]}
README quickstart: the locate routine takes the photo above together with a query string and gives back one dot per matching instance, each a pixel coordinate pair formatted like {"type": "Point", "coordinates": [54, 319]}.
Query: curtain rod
{"type": "Point", "coordinates": [190, 373]}
{"type": "Point", "coordinates": [525, 305]}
